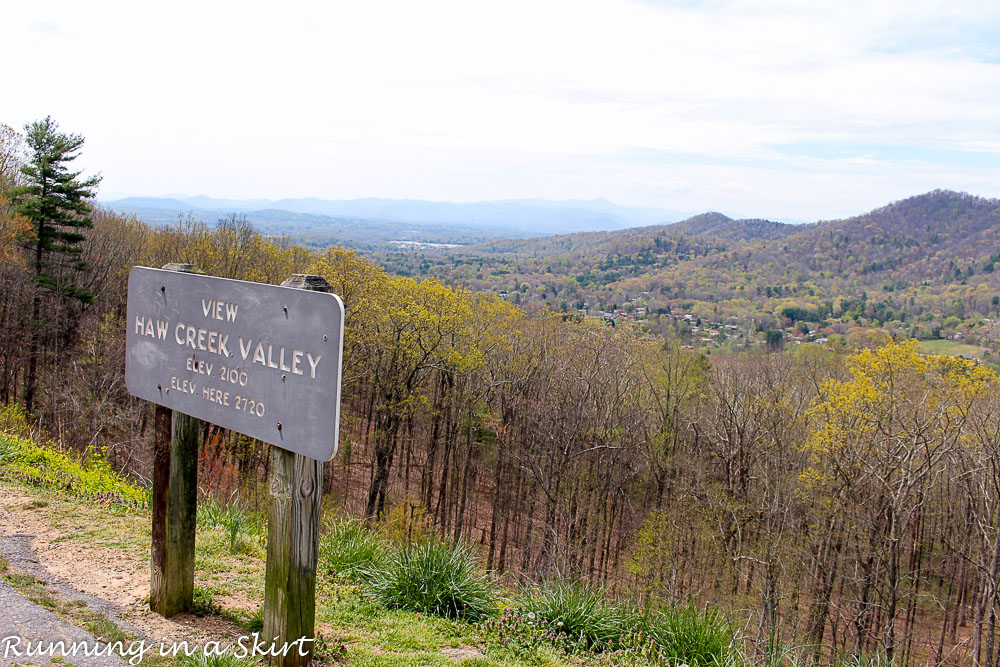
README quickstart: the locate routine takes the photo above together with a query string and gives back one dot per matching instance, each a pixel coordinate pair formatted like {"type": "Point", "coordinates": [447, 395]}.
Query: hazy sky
{"type": "Point", "coordinates": [810, 109]}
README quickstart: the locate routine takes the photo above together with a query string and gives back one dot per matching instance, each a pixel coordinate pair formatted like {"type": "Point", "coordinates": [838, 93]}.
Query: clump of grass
{"type": "Point", "coordinates": [9, 448]}
{"type": "Point", "coordinates": [199, 659]}
{"type": "Point", "coordinates": [350, 549]}
{"type": "Point", "coordinates": [687, 635]}
{"type": "Point", "coordinates": [874, 660]}
{"type": "Point", "coordinates": [577, 611]}
{"type": "Point", "coordinates": [254, 622]}
{"type": "Point", "coordinates": [203, 603]}
{"type": "Point", "coordinates": [236, 520]}
{"type": "Point", "coordinates": [434, 578]}
{"type": "Point", "coordinates": [592, 624]}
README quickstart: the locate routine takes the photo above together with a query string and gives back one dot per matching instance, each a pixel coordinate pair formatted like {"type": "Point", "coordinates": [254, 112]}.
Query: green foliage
{"type": "Point", "coordinates": [577, 611]}
{"type": "Point", "coordinates": [774, 338]}
{"type": "Point", "coordinates": [255, 622]}
{"type": "Point", "coordinates": [236, 520]}
{"type": "Point", "coordinates": [408, 522]}
{"type": "Point", "coordinates": [686, 635]}
{"type": "Point", "coordinates": [434, 578]}
{"type": "Point", "coordinates": [199, 659]}
{"type": "Point", "coordinates": [796, 313]}
{"type": "Point", "coordinates": [203, 602]}
{"type": "Point", "coordinates": [350, 549]}
{"type": "Point", "coordinates": [590, 623]}
{"type": "Point", "coordinates": [54, 201]}
{"type": "Point", "coordinates": [523, 637]}
{"type": "Point", "coordinates": [14, 421]}
{"type": "Point", "coordinates": [89, 477]}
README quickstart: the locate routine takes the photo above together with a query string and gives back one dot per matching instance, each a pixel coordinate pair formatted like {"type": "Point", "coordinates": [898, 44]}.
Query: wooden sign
{"type": "Point", "coordinates": [259, 359]}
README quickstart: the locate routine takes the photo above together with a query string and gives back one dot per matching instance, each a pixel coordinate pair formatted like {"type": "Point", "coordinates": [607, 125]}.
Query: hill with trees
{"type": "Point", "coordinates": [921, 267]}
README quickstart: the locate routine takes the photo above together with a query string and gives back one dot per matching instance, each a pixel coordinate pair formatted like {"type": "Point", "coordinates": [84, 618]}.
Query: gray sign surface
{"type": "Point", "coordinates": [259, 359]}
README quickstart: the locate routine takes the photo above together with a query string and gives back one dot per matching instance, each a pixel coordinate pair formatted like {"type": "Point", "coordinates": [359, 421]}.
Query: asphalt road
{"type": "Point", "coordinates": [22, 621]}
{"type": "Point", "coordinates": [23, 624]}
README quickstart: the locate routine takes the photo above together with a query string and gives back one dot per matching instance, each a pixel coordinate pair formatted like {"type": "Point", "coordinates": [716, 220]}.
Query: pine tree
{"type": "Point", "coordinates": [53, 200]}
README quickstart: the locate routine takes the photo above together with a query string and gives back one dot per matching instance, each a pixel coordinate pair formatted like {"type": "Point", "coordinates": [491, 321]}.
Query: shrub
{"type": "Point", "coordinates": [434, 578]}
{"type": "Point", "coordinates": [408, 522]}
{"type": "Point", "coordinates": [14, 421]}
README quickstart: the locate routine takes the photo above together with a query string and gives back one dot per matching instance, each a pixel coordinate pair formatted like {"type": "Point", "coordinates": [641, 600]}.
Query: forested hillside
{"type": "Point", "coordinates": [838, 498]}
{"type": "Point", "coordinates": [922, 267]}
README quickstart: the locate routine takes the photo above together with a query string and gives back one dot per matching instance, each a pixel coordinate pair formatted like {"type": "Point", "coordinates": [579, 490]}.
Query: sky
{"type": "Point", "coordinates": [781, 109]}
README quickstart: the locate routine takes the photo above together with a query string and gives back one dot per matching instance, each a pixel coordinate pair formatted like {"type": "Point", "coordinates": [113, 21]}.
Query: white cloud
{"type": "Point", "coordinates": [460, 100]}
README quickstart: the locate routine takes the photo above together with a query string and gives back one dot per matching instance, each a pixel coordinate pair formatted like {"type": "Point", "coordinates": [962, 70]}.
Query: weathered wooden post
{"type": "Point", "coordinates": [293, 515]}
{"type": "Point", "coordinates": [175, 498]}
{"type": "Point", "coordinates": [261, 360]}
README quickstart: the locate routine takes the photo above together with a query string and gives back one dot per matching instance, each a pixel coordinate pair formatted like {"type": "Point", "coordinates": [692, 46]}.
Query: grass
{"type": "Point", "coordinates": [434, 578]}
{"type": "Point", "coordinates": [949, 348]}
{"type": "Point", "coordinates": [225, 660]}
{"type": "Point", "coordinates": [688, 636]}
{"type": "Point", "coordinates": [203, 602]}
{"type": "Point", "coordinates": [573, 618]}
{"type": "Point", "coordinates": [240, 524]}
{"type": "Point", "coordinates": [576, 611]}
{"type": "Point", "coordinates": [349, 549]}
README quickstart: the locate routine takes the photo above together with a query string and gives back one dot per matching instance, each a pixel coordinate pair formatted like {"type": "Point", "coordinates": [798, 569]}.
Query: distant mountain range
{"type": "Point", "coordinates": [931, 230]}
{"type": "Point", "coordinates": [491, 219]}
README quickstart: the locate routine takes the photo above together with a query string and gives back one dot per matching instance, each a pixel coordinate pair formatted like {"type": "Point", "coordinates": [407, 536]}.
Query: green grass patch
{"type": "Point", "coordinates": [199, 659]}
{"type": "Point", "coordinates": [949, 348]}
{"type": "Point", "coordinates": [434, 578]}
{"type": "Point", "coordinates": [577, 612]}
{"type": "Point", "coordinates": [31, 588]}
{"type": "Point", "coordinates": [571, 618]}
{"type": "Point", "coordinates": [683, 636]}
{"type": "Point", "coordinates": [349, 549]}
{"type": "Point", "coordinates": [241, 525]}
{"type": "Point", "coordinates": [203, 602]}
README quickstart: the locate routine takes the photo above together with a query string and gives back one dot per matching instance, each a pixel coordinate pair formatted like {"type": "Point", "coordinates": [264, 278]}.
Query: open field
{"type": "Point", "coordinates": [949, 348]}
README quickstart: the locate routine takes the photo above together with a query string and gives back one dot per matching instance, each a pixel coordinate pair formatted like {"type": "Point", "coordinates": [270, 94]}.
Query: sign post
{"type": "Point", "coordinates": [174, 504]}
{"type": "Point", "coordinates": [293, 514]}
{"type": "Point", "coordinates": [262, 360]}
